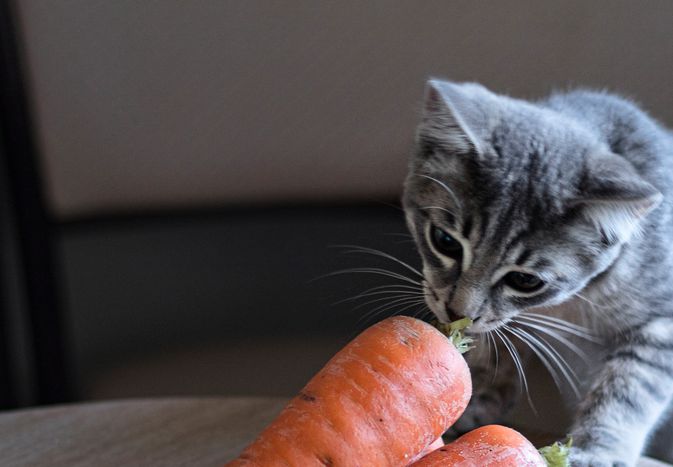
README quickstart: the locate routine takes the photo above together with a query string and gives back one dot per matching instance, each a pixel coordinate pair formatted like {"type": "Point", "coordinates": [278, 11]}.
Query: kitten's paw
{"type": "Point", "coordinates": [585, 458]}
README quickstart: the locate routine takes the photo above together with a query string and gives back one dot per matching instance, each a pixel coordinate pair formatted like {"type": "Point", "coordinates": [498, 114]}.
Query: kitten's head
{"type": "Point", "coordinates": [513, 205]}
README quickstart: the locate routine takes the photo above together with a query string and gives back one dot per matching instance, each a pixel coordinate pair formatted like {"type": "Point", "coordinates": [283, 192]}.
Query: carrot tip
{"type": "Point", "coordinates": [454, 331]}
{"type": "Point", "coordinates": [557, 454]}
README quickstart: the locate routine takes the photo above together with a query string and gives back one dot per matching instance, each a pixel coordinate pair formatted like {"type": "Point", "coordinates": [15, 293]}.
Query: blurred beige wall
{"type": "Point", "coordinates": [158, 104]}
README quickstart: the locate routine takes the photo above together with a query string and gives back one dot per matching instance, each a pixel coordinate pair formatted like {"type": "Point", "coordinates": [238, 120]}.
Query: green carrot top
{"type": "Point", "coordinates": [557, 454]}
{"type": "Point", "coordinates": [454, 331]}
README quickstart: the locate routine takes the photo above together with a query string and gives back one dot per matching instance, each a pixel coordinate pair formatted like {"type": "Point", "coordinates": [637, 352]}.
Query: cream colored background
{"type": "Point", "coordinates": [160, 104]}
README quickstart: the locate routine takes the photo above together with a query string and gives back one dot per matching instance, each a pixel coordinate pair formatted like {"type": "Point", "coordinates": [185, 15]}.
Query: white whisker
{"type": "Point", "coordinates": [559, 324]}
{"type": "Point", "coordinates": [591, 302]}
{"type": "Point", "coordinates": [420, 310]}
{"type": "Point", "coordinates": [496, 353]}
{"type": "Point", "coordinates": [446, 188]}
{"type": "Point", "coordinates": [375, 271]}
{"type": "Point", "coordinates": [579, 352]}
{"type": "Point", "coordinates": [386, 308]}
{"type": "Point", "coordinates": [543, 358]}
{"type": "Point", "coordinates": [395, 286]}
{"type": "Point", "coordinates": [371, 316]}
{"type": "Point", "coordinates": [516, 358]}
{"type": "Point", "coordinates": [563, 322]}
{"type": "Point", "coordinates": [397, 292]}
{"type": "Point", "coordinates": [382, 254]}
{"type": "Point", "coordinates": [552, 353]}
{"type": "Point", "coordinates": [388, 300]}
{"type": "Point", "coordinates": [390, 303]}
{"type": "Point", "coordinates": [440, 208]}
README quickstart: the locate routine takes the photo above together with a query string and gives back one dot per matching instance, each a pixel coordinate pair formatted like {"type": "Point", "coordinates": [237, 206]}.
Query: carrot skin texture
{"type": "Point", "coordinates": [380, 401]}
{"type": "Point", "coordinates": [436, 444]}
{"type": "Point", "coordinates": [487, 446]}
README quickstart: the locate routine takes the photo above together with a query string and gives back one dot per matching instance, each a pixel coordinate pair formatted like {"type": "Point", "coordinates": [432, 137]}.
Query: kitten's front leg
{"type": "Point", "coordinates": [493, 393]}
{"type": "Point", "coordinates": [630, 394]}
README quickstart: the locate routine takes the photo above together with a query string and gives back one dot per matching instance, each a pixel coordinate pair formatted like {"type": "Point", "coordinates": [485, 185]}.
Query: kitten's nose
{"type": "Point", "coordinates": [454, 315]}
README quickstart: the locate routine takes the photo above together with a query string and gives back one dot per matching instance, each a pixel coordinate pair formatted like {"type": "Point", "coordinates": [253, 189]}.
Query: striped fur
{"type": "Point", "coordinates": [574, 189]}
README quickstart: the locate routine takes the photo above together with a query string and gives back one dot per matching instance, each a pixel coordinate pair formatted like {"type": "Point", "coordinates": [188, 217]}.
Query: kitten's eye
{"type": "Point", "coordinates": [446, 244]}
{"type": "Point", "coordinates": [523, 282]}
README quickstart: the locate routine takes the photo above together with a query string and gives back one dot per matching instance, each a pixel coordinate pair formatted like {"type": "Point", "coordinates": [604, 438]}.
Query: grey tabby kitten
{"type": "Point", "coordinates": [524, 211]}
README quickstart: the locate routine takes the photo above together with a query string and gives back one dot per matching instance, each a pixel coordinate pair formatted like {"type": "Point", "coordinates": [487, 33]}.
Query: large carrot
{"type": "Point", "coordinates": [488, 446]}
{"type": "Point", "coordinates": [380, 401]}
{"type": "Point", "coordinates": [436, 444]}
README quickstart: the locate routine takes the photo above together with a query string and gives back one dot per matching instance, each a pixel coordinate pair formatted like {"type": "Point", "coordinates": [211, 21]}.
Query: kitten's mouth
{"type": "Point", "coordinates": [445, 315]}
{"type": "Point", "coordinates": [480, 324]}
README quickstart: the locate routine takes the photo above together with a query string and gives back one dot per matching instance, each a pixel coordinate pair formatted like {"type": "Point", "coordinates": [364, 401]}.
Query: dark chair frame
{"type": "Point", "coordinates": [34, 230]}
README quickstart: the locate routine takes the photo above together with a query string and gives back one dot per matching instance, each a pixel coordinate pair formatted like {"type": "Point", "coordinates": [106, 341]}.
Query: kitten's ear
{"type": "Point", "coordinates": [458, 116]}
{"type": "Point", "coordinates": [615, 198]}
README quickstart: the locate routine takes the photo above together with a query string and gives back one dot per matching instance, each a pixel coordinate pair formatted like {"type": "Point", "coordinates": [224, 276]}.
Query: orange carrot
{"type": "Point", "coordinates": [380, 401]}
{"type": "Point", "coordinates": [436, 444]}
{"type": "Point", "coordinates": [488, 446]}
